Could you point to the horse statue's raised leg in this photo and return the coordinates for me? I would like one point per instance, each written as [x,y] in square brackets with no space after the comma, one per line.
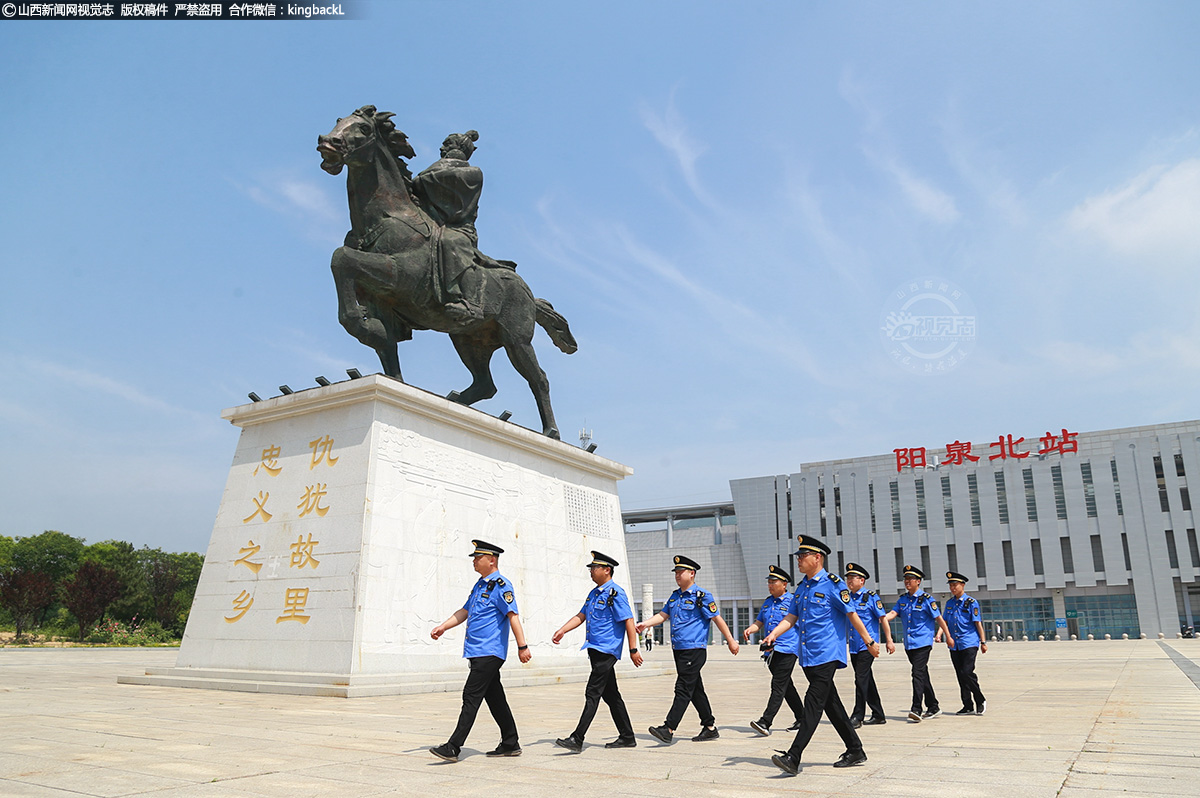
[349,267]
[477,357]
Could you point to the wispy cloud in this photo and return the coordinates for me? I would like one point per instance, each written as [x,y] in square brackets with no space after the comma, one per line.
[304,201]
[922,195]
[670,130]
[1154,215]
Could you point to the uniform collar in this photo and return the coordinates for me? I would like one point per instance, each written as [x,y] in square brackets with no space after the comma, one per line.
[821,574]
[606,584]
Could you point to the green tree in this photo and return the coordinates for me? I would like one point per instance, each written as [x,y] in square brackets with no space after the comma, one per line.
[52,553]
[89,593]
[122,558]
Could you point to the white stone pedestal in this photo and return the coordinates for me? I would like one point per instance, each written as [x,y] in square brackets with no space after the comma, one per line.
[344,536]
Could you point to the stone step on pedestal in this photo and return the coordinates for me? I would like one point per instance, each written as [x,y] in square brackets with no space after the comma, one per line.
[360,685]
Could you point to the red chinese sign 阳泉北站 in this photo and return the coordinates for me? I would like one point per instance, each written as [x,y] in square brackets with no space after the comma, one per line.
[1006,447]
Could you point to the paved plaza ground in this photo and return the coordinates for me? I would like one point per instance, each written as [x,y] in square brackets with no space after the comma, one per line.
[1064,718]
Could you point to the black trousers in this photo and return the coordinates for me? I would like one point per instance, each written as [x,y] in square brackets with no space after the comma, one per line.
[922,688]
[782,687]
[822,698]
[483,684]
[968,682]
[602,683]
[865,692]
[689,688]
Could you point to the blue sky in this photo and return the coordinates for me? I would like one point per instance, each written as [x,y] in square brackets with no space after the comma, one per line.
[719,197]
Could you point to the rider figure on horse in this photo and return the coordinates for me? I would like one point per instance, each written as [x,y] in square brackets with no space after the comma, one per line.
[449,191]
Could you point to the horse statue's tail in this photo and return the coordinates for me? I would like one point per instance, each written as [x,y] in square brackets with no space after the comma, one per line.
[555,326]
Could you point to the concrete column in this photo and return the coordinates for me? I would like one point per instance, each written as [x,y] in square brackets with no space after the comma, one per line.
[647,601]
[1060,604]
[717,528]
[670,531]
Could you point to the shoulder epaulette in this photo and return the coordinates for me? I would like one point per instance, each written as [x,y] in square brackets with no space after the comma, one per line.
[871,593]
[500,581]
[834,578]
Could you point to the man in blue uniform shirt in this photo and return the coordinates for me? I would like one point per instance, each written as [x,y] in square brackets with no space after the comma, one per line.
[919,612]
[781,657]
[822,615]
[609,619]
[690,611]
[870,609]
[962,617]
[490,611]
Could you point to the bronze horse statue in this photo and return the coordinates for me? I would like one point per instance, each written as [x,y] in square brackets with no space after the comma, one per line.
[387,271]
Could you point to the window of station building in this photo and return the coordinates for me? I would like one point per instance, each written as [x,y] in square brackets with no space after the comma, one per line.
[743,617]
[841,563]
[1030,497]
[895,488]
[1035,547]
[1125,549]
[1195,550]
[1009,568]
[871,499]
[947,509]
[980,565]
[952,557]
[727,614]
[1172,554]
[925,560]
[1112,614]
[821,499]
[973,490]
[1068,558]
[1089,489]
[1001,497]
[1060,495]
[922,519]
[876,556]
[1179,472]
[900,561]
[1117,487]
[1163,501]
[837,509]
[1097,554]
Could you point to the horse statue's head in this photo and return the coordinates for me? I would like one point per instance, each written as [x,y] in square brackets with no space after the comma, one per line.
[355,138]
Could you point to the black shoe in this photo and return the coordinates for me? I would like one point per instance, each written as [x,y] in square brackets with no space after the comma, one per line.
[932,713]
[982,708]
[966,711]
[851,758]
[622,742]
[661,733]
[914,716]
[877,720]
[786,762]
[505,750]
[706,734]
[856,723]
[570,743]
[762,728]
[796,726]
[445,751]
